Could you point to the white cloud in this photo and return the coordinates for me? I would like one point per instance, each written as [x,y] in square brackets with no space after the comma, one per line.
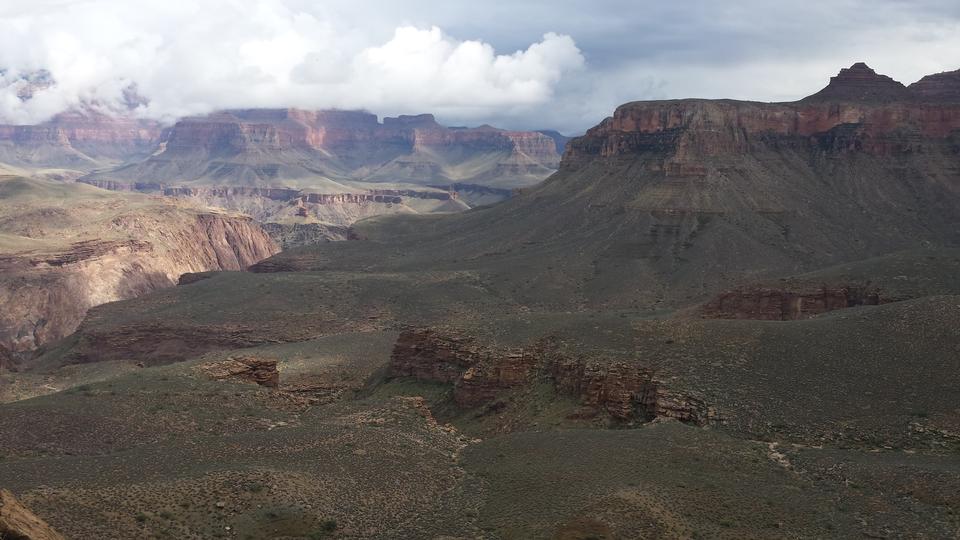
[191,57]
[495,61]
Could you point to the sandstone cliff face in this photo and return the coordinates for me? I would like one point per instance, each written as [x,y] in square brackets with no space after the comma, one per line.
[19,523]
[626,392]
[45,298]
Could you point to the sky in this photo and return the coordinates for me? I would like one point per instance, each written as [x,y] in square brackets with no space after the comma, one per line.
[516,64]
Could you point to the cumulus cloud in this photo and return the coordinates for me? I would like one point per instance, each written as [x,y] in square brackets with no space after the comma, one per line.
[187,57]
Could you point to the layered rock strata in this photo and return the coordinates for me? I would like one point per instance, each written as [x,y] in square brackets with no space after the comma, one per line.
[624,391]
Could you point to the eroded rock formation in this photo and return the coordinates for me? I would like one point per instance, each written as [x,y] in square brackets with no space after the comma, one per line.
[625,391]
[477,373]
[428,355]
[19,523]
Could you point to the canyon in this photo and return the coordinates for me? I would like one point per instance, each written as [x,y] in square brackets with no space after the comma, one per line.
[306,176]
[716,319]
[342,165]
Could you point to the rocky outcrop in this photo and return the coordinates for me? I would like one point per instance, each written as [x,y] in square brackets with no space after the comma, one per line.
[428,355]
[458,188]
[478,374]
[262,371]
[771,304]
[44,298]
[613,387]
[19,523]
[625,392]
[657,401]
[494,373]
